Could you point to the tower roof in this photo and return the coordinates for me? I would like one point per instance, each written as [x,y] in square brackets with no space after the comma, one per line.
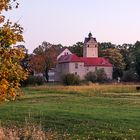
[89,38]
[90,35]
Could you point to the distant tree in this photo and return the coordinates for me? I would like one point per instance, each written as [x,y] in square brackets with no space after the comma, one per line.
[77,49]
[25,61]
[44,58]
[57,46]
[105,45]
[37,63]
[135,54]
[130,76]
[137,64]
[125,51]
[116,58]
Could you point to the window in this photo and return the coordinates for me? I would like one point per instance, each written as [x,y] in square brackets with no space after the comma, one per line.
[76,65]
[95,68]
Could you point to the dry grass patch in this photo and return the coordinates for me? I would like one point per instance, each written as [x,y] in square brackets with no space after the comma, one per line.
[29,132]
[90,90]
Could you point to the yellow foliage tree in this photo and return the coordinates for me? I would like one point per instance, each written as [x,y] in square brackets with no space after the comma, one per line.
[11,72]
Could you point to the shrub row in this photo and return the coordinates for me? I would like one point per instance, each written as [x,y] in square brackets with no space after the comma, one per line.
[72,79]
[33,80]
[96,76]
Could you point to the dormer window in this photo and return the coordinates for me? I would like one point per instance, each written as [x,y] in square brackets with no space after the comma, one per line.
[66,53]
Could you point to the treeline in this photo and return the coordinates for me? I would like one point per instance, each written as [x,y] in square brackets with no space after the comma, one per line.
[125,58]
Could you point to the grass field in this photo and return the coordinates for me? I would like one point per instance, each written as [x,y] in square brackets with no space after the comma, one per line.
[80,112]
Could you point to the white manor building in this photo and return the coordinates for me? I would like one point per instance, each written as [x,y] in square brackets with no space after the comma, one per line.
[71,63]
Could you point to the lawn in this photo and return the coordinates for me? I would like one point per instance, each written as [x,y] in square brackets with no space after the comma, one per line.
[81,112]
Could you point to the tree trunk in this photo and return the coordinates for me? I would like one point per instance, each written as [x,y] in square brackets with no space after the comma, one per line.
[46,74]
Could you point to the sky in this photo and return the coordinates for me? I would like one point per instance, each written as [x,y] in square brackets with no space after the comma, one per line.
[69,21]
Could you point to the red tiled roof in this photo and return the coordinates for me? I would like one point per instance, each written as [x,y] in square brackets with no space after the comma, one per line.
[69,58]
[88,61]
[99,61]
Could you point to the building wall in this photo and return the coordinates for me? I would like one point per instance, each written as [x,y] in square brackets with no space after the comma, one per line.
[78,68]
[61,69]
[108,71]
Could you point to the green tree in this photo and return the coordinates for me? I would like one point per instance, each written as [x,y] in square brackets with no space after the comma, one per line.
[130,76]
[125,51]
[77,49]
[135,55]
[116,58]
[103,46]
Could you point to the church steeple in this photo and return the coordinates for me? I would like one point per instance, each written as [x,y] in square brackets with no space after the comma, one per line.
[90,48]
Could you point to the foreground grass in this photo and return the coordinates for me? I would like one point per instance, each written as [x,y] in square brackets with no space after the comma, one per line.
[82,112]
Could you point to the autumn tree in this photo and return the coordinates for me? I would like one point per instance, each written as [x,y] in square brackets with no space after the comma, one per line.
[44,58]
[11,72]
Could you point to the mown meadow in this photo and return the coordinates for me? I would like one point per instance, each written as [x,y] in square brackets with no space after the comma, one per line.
[77,112]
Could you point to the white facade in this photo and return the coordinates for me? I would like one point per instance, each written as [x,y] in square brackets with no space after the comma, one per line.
[80,69]
[66,51]
[90,48]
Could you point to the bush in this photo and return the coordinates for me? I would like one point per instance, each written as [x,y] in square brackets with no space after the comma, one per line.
[71,79]
[130,76]
[91,76]
[96,76]
[101,75]
[34,80]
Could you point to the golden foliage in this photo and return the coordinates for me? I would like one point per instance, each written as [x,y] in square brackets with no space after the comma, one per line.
[8,4]
[11,72]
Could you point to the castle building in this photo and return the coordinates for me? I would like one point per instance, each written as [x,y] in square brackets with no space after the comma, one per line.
[71,63]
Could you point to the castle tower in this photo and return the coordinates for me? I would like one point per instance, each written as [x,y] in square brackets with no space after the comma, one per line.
[90,48]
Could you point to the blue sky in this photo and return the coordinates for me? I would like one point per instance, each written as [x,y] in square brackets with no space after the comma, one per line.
[69,21]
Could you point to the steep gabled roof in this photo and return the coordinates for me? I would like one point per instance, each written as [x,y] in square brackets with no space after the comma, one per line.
[69,58]
[61,50]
